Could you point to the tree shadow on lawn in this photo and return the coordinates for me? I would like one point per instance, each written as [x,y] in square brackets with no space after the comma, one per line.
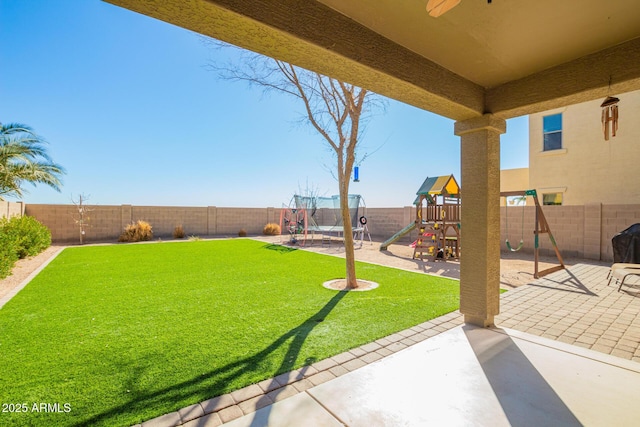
[225,374]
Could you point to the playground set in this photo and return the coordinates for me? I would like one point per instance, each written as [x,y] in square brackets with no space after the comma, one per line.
[307,216]
[437,220]
[541,227]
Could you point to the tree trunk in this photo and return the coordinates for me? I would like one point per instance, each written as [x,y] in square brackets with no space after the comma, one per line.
[334,109]
[350,258]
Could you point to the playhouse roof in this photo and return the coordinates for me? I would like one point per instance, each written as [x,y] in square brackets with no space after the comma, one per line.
[439,186]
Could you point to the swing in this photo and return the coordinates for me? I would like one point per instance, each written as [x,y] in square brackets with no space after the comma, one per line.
[506,220]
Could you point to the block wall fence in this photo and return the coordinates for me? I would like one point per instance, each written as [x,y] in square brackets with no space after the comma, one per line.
[9,209]
[580,231]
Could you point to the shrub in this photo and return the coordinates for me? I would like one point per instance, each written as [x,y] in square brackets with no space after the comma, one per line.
[178,232]
[271,229]
[8,254]
[242,233]
[137,232]
[21,237]
[29,237]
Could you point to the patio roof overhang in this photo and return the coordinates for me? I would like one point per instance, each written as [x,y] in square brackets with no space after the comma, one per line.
[505,58]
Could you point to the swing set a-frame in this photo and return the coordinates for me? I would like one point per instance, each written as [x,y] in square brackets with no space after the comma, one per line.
[541,227]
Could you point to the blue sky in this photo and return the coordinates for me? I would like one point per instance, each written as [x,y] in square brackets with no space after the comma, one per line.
[131,112]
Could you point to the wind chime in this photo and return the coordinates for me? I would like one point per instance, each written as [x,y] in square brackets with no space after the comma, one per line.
[609,115]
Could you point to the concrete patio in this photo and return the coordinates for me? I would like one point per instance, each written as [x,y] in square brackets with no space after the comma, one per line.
[565,352]
[470,376]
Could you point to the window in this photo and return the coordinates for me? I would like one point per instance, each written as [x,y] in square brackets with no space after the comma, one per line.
[552,132]
[552,199]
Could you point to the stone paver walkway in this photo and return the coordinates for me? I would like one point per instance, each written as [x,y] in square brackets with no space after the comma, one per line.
[577,307]
[574,306]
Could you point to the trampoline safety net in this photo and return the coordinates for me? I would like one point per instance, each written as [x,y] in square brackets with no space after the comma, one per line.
[324,212]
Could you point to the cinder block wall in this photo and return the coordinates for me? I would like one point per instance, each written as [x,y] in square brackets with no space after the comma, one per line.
[580,231]
[164,219]
[385,222]
[9,209]
[106,223]
[616,218]
[229,221]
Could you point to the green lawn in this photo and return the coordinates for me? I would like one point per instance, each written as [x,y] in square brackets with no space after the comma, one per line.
[125,333]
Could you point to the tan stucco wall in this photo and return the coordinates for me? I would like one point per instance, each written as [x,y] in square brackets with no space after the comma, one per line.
[514,179]
[480,214]
[589,169]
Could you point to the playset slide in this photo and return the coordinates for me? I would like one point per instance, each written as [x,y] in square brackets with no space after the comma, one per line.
[398,235]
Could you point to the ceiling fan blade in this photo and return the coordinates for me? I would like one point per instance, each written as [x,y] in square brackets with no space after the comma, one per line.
[439,7]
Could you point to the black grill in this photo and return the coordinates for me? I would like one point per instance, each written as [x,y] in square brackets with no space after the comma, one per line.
[626,245]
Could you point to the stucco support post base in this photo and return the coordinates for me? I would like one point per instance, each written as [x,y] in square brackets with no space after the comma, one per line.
[484,321]
[480,218]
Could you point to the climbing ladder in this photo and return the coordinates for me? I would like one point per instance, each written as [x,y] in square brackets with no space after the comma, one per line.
[427,243]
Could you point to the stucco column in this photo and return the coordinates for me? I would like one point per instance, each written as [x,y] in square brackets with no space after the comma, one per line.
[480,218]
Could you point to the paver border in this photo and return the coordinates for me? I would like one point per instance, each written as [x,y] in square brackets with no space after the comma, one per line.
[248,400]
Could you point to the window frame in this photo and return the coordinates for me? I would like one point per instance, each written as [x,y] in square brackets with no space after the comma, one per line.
[558,199]
[549,144]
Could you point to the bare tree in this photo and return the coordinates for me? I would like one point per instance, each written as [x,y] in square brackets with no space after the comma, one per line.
[82,218]
[312,193]
[335,109]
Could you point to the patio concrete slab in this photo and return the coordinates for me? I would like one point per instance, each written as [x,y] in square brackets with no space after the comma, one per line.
[492,377]
[471,376]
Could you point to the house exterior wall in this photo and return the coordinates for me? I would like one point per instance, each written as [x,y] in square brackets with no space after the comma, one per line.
[514,179]
[589,169]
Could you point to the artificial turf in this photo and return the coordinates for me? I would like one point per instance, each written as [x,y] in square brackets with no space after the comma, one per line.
[125,333]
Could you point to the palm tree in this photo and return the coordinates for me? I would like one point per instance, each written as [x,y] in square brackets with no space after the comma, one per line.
[24,158]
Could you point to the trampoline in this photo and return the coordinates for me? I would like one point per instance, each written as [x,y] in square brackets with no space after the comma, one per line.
[321,215]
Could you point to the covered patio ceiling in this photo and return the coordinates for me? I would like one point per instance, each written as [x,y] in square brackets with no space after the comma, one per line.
[507,58]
